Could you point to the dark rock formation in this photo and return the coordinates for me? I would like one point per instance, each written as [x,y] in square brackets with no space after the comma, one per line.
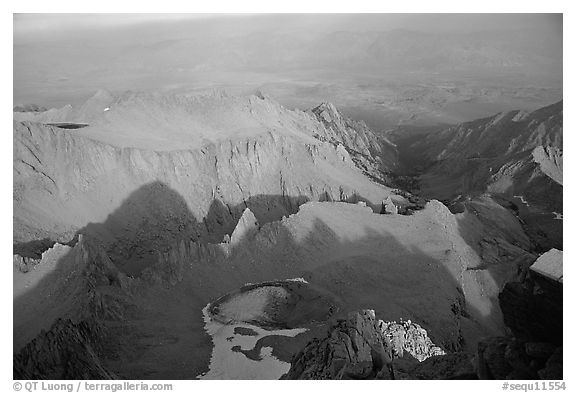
[361,347]
[553,369]
[510,358]
[67,351]
[532,308]
[388,206]
[504,358]
[345,354]
[459,365]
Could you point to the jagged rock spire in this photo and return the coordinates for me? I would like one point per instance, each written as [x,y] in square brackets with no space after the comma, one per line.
[246,224]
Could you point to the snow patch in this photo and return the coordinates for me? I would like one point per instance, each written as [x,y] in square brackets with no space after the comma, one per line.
[228,364]
[298,279]
[521,197]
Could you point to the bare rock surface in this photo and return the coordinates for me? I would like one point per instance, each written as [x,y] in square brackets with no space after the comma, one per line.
[362,347]
[66,351]
[246,225]
[410,337]
[367,148]
[549,265]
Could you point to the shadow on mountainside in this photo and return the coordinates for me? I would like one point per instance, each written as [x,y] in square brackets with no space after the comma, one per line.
[154,217]
[157,331]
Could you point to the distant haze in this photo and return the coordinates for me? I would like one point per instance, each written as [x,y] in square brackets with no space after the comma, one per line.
[30,24]
[368,62]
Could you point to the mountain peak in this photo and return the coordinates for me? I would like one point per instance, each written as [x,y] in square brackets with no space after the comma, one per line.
[246,224]
[328,112]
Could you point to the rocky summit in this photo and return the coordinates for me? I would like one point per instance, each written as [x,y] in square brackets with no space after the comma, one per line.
[362,347]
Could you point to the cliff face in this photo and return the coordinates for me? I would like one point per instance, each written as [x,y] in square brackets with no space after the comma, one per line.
[66,179]
[374,154]
[362,347]
[355,136]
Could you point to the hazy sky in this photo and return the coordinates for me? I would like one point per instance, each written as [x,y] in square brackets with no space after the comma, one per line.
[41,24]
[64,58]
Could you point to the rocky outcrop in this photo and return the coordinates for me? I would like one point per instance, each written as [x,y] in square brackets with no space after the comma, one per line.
[350,351]
[66,351]
[354,135]
[458,365]
[549,160]
[406,336]
[503,358]
[345,354]
[549,265]
[510,358]
[361,347]
[389,207]
[373,153]
[246,225]
[24,264]
[78,282]
[61,307]
[533,311]
[533,307]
